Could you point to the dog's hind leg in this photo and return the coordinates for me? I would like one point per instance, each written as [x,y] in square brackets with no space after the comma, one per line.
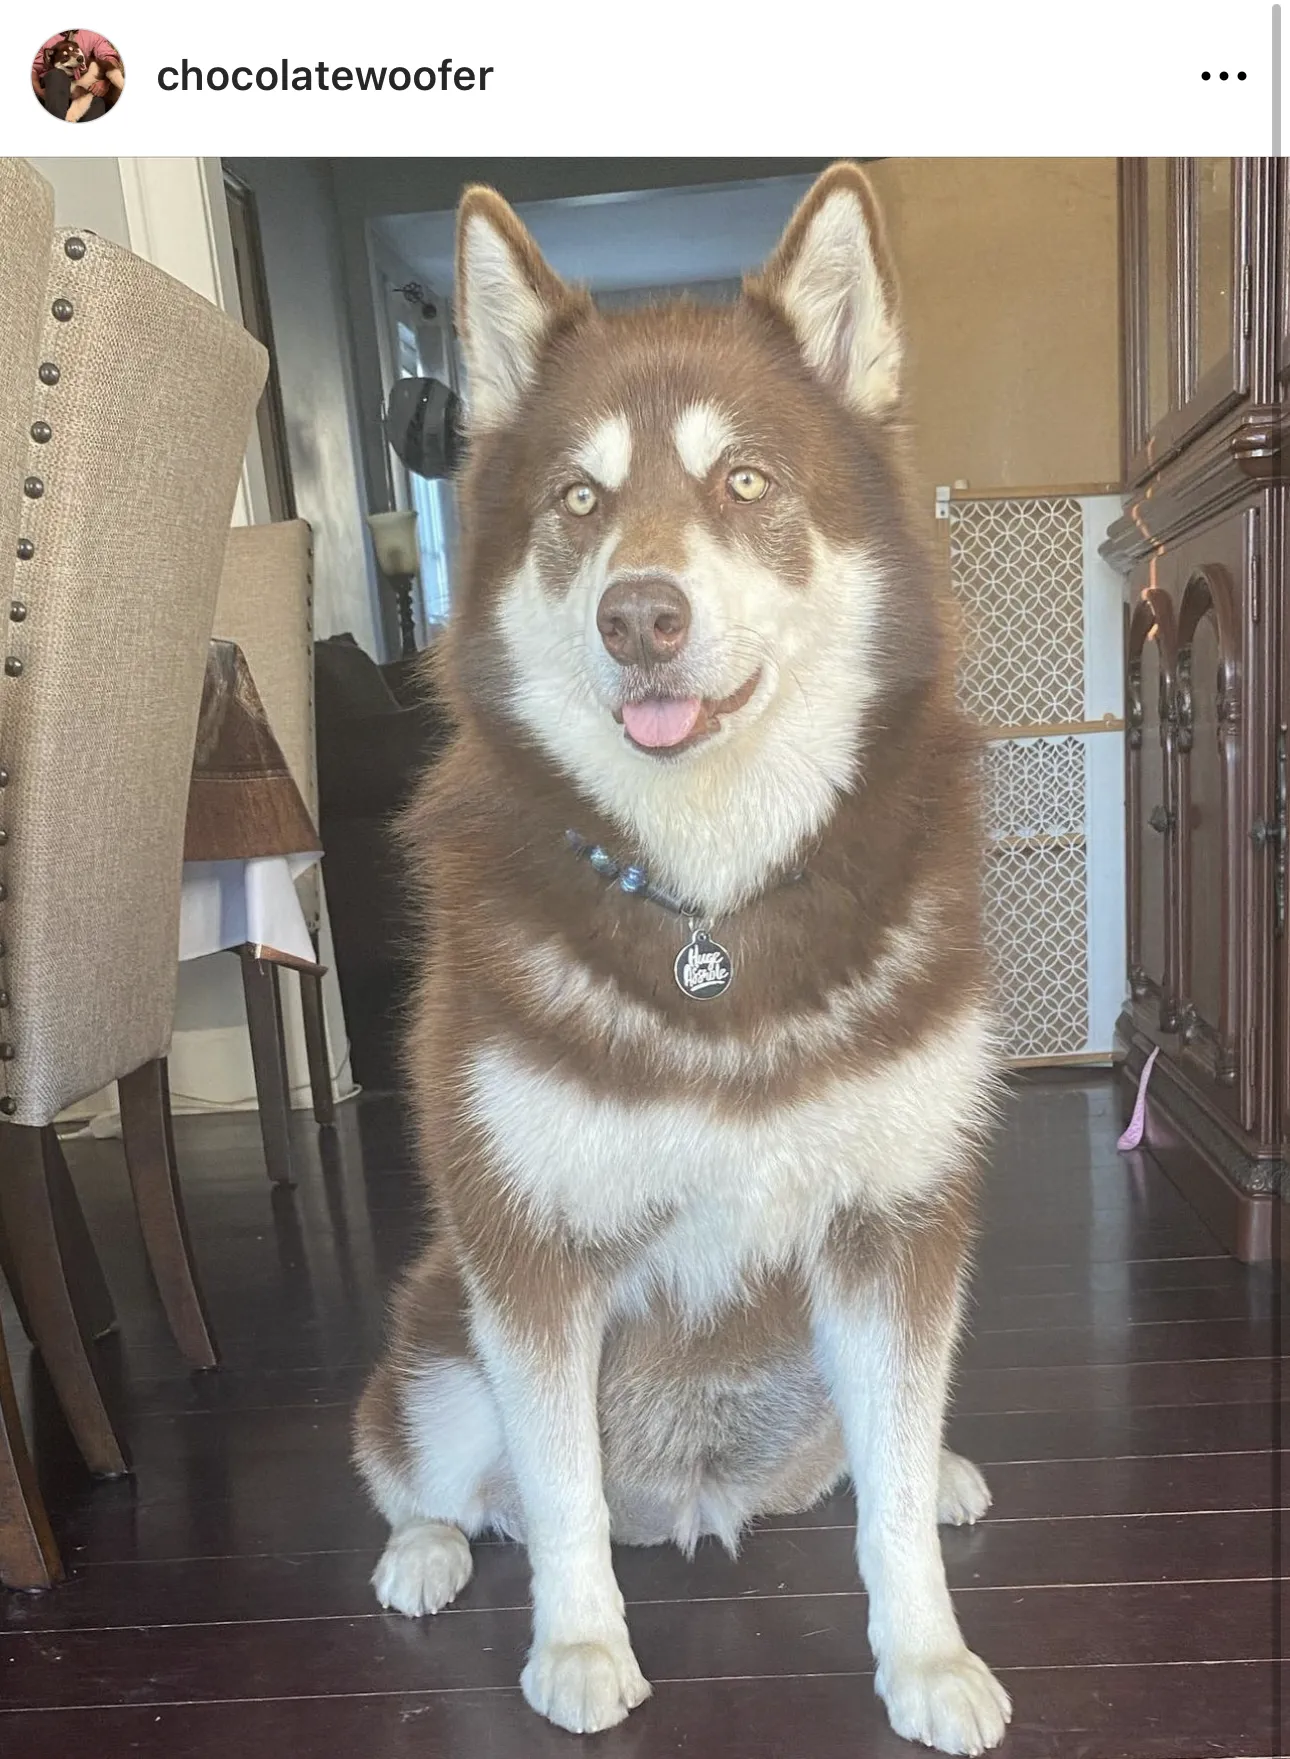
[962,1495]
[424,1567]
[429,1445]
[428,1441]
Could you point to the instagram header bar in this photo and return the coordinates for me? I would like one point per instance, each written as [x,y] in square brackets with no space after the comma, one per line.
[673,76]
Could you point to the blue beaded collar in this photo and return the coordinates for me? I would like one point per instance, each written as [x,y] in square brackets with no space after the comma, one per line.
[635,881]
[632,880]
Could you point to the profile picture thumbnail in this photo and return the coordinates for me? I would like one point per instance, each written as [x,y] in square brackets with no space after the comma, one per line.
[78,75]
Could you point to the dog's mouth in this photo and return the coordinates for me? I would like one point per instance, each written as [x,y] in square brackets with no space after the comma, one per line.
[664,724]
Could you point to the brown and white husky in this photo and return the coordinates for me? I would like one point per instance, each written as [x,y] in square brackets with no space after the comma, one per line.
[702,1060]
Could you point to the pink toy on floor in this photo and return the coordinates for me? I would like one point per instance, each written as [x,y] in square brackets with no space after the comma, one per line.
[1133,1129]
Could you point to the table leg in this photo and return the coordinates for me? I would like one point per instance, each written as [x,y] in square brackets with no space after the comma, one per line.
[315,1020]
[269,1057]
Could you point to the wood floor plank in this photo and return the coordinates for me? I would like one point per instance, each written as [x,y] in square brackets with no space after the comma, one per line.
[1098,1386]
[1243,1297]
[109,1523]
[1111,1434]
[783,1560]
[1219,1712]
[1043,1490]
[1057,1346]
[704,1639]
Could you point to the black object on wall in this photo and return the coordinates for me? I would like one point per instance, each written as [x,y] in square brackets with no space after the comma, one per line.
[424,426]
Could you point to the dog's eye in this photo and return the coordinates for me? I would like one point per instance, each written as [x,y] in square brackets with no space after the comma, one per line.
[747,484]
[580,499]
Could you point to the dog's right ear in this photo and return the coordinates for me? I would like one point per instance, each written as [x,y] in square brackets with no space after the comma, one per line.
[508,299]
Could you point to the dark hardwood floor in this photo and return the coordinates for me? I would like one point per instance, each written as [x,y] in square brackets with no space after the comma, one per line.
[1118,1386]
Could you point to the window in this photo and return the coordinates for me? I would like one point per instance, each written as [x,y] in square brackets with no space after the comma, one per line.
[432,499]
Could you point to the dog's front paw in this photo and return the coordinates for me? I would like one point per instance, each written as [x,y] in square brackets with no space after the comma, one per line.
[950,1702]
[424,1567]
[962,1495]
[584,1686]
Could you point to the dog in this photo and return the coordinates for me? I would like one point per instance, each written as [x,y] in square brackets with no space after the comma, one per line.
[702,1061]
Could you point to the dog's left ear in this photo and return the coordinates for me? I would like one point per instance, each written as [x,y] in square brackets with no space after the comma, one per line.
[831,278]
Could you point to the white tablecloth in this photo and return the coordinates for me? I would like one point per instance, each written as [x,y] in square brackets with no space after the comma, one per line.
[227,904]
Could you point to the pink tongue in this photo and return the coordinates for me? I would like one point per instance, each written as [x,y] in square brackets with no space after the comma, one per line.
[662,720]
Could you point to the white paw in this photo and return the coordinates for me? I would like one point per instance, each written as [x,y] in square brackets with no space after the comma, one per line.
[952,1703]
[962,1495]
[584,1686]
[424,1567]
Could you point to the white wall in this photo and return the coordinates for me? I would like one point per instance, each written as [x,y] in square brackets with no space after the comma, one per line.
[311,333]
[88,194]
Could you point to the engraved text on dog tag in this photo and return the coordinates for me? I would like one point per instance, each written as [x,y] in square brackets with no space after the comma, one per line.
[703,968]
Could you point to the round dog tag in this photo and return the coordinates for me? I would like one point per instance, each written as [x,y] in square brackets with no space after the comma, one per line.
[703,968]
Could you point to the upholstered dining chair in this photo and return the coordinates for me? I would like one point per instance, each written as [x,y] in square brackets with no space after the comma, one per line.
[126,401]
[265,605]
[28,1554]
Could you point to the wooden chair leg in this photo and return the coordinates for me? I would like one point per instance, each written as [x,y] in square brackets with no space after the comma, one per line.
[311,1007]
[269,1057]
[80,1261]
[28,1555]
[9,1271]
[84,1272]
[148,1136]
[35,1222]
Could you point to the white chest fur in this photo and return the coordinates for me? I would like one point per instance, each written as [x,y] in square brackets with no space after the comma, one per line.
[738,1195]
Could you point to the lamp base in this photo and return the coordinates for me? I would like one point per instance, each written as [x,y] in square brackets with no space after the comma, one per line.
[402,585]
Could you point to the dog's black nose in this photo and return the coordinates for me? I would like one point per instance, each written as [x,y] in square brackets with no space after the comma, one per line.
[644,621]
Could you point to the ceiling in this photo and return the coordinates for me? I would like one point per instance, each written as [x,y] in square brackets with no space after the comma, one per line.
[641,238]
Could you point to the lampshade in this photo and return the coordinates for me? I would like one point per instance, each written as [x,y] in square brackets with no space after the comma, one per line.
[395,538]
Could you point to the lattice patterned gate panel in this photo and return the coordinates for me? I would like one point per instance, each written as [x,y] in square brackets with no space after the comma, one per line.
[1018,573]
[1035,883]
[1027,585]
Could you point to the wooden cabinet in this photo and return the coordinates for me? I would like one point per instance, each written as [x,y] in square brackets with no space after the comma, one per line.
[1151,784]
[1203,549]
[1282,273]
[1212,583]
[1191,248]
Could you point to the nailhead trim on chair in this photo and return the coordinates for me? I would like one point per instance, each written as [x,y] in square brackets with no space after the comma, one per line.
[41,431]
